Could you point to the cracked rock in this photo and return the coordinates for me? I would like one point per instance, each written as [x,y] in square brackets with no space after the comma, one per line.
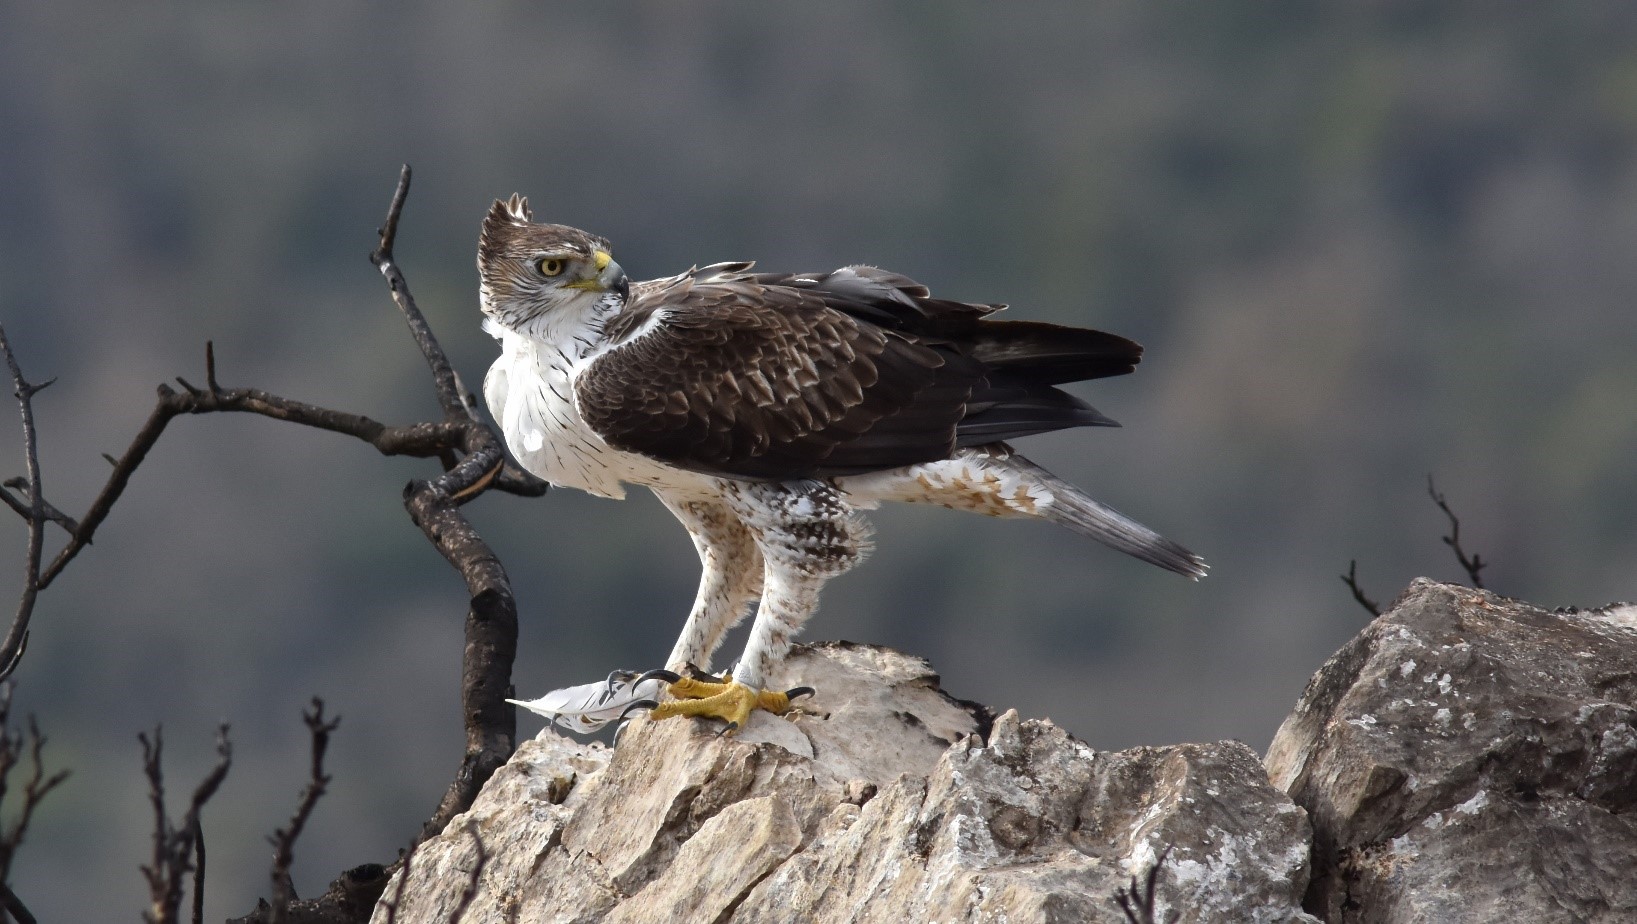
[1471,758]
[896,804]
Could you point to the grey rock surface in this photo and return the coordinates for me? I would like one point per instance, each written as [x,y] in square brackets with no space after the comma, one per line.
[897,805]
[1471,758]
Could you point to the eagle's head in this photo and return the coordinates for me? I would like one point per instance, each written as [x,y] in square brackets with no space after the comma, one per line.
[529,271]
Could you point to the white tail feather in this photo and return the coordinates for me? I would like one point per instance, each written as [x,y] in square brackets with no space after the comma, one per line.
[589,706]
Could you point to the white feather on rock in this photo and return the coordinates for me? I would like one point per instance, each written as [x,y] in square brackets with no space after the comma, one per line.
[589,706]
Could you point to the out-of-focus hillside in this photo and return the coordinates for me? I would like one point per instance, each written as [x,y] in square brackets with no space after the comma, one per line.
[1361,243]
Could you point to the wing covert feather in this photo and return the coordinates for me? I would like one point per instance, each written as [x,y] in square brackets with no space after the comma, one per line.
[752,381]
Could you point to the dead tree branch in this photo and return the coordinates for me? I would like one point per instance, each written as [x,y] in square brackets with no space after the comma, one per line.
[456,402]
[174,845]
[13,747]
[473,460]
[284,839]
[1138,905]
[199,873]
[14,906]
[1472,564]
[34,512]
[1351,580]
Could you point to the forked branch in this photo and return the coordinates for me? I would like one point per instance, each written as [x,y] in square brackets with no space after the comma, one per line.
[284,839]
[1351,580]
[33,508]
[1137,901]
[473,460]
[1471,563]
[174,845]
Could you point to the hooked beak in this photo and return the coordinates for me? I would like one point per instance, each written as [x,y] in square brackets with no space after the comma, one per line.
[609,278]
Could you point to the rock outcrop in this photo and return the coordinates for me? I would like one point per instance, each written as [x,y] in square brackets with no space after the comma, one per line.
[900,805]
[1466,758]
[1469,758]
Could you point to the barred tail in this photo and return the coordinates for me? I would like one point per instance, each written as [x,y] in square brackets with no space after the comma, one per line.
[1071,508]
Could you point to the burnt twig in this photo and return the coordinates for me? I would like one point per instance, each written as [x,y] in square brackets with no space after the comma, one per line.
[1351,580]
[284,839]
[473,460]
[68,523]
[1473,564]
[198,871]
[1138,906]
[174,845]
[14,906]
[13,747]
[11,649]
[454,400]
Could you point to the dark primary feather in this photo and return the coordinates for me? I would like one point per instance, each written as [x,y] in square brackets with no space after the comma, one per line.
[768,376]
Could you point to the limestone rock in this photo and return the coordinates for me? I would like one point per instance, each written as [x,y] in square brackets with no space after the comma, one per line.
[897,805]
[1471,758]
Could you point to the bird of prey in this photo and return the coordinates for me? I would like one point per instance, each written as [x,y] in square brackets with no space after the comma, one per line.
[766,410]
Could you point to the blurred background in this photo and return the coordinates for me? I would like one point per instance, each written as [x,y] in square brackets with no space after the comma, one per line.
[1361,242]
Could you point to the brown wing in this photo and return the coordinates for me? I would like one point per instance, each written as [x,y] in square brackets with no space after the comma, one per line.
[774,377]
[752,381]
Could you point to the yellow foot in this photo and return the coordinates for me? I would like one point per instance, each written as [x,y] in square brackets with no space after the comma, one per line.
[732,701]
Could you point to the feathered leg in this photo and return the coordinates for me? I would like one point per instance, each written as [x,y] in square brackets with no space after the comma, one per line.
[730,582]
[807,534]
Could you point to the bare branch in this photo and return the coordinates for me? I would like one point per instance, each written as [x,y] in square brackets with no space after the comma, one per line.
[1139,906]
[198,871]
[14,905]
[68,523]
[11,649]
[451,397]
[284,839]
[12,748]
[1475,563]
[473,459]
[1351,580]
[174,845]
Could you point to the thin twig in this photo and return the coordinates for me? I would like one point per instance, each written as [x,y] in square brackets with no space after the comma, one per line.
[473,460]
[421,440]
[198,871]
[443,374]
[1473,564]
[11,649]
[284,839]
[1139,906]
[174,845]
[35,789]
[14,905]
[1351,580]
[68,523]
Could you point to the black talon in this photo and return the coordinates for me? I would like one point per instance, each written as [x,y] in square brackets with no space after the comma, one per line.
[614,675]
[794,692]
[658,674]
[639,704]
[731,726]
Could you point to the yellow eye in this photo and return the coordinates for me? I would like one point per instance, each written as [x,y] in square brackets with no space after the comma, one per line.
[551,266]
